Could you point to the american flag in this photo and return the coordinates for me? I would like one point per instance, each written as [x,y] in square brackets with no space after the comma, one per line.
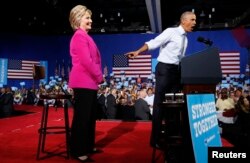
[139,66]
[21,69]
[230,63]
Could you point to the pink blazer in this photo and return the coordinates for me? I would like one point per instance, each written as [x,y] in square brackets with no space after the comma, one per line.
[86,69]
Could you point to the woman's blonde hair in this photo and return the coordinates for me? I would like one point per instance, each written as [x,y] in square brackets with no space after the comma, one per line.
[76,15]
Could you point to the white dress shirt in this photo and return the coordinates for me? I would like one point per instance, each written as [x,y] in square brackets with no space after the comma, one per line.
[171,45]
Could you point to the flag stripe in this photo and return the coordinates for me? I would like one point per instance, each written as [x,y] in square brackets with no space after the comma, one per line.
[19,74]
[21,69]
[20,77]
[139,66]
[139,60]
[231,71]
[230,58]
[229,53]
[230,63]
[133,76]
[230,67]
[137,72]
[131,68]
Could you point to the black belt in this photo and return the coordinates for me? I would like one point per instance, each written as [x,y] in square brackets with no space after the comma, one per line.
[172,65]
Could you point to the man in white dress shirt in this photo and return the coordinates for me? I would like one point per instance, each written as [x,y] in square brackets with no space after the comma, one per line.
[172,43]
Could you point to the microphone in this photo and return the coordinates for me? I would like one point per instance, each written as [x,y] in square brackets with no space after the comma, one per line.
[205,41]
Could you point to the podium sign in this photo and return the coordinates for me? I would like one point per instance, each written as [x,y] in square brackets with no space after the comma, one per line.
[203,124]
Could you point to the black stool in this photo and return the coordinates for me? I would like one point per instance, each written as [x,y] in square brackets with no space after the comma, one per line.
[44,129]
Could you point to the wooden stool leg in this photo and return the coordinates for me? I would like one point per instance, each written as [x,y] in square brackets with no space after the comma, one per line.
[44,129]
[41,131]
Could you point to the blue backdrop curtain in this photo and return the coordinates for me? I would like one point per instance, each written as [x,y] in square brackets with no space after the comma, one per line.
[55,48]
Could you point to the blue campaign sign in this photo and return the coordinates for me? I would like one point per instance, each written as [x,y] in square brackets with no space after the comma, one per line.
[203,125]
[3,71]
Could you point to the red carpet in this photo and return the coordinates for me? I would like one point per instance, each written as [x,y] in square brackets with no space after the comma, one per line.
[119,141]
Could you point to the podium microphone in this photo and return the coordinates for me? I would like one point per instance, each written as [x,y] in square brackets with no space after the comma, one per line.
[205,41]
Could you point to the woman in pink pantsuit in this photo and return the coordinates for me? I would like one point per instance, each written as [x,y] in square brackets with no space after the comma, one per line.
[85,76]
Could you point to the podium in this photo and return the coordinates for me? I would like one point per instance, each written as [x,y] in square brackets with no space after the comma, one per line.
[200,72]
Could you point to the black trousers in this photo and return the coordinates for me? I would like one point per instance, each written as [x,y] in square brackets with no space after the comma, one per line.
[82,139]
[167,81]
